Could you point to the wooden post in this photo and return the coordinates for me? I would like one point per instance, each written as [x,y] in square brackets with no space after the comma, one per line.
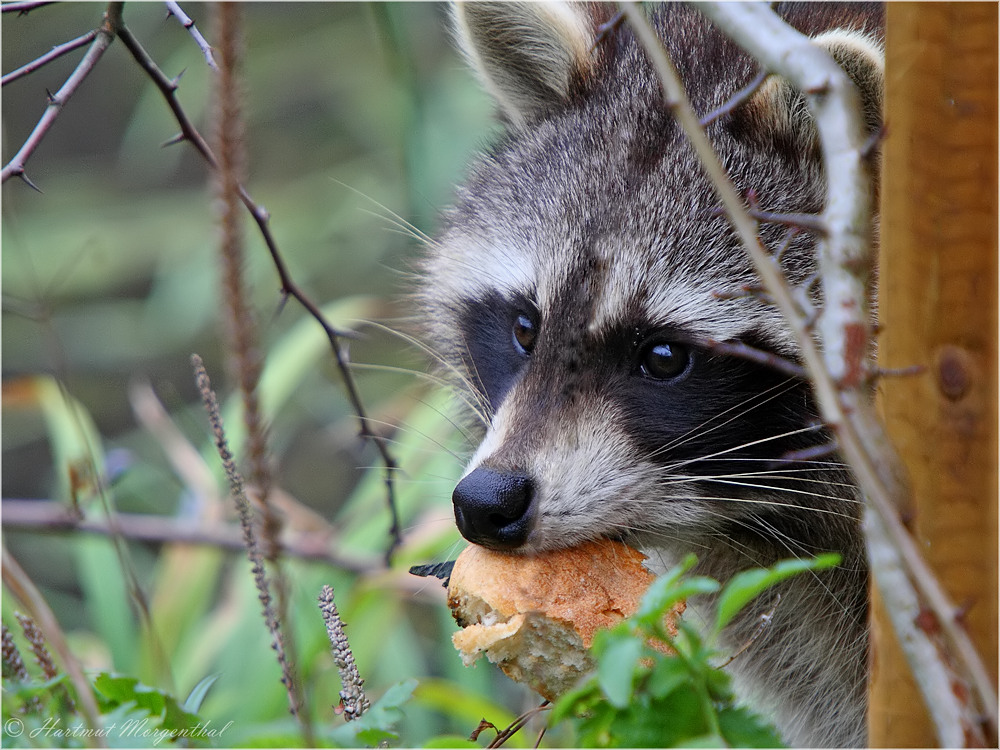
[938,308]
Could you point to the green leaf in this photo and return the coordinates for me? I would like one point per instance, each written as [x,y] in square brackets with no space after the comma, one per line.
[668,674]
[746,586]
[575,700]
[616,670]
[743,728]
[459,703]
[665,592]
[194,700]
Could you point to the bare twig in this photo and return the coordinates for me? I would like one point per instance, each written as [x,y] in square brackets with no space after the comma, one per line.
[20,584]
[211,404]
[104,36]
[53,54]
[51,516]
[23,8]
[174,10]
[353,701]
[515,726]
[763,623]
[735,100]
[807,222]
[768,359]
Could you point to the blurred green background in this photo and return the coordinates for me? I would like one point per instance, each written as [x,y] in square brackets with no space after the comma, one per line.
[355,114]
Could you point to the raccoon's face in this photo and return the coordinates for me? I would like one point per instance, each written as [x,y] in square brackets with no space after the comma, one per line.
[581,279]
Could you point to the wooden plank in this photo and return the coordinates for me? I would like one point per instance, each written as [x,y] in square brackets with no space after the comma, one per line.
[938,308]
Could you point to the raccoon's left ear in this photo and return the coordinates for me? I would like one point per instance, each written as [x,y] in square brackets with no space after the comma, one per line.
[777,110]
[526,54]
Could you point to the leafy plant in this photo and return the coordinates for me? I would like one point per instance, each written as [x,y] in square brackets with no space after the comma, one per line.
[640,696]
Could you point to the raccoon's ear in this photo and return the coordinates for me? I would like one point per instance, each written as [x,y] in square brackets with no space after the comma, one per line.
[526,54]
[778,109]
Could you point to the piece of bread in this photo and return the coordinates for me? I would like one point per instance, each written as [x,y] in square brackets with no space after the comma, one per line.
[535,617]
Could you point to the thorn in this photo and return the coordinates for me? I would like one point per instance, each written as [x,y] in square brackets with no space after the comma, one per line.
[285,296]
[874,141]
[962,610]
[29,183]
[174,140]
[50,97]
[175,82]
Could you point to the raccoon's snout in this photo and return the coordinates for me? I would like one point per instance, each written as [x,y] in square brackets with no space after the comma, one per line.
[494,509]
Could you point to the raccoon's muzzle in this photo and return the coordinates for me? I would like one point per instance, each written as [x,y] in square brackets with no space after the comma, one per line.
[494,509]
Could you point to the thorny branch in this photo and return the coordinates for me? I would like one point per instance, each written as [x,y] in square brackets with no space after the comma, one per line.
[25,7]
[839,372]
[53,54]
[175,10]
[104,36]
[114,26]
[288,287]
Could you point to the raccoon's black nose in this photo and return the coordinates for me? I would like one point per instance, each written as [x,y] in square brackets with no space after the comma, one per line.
[494,509]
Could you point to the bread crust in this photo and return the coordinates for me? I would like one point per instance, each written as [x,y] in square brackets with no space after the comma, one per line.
[535,617]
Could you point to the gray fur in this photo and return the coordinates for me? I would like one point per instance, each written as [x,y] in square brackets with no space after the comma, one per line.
[594,213]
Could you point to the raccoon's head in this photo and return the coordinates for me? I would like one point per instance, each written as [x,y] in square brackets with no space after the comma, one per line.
[584,267]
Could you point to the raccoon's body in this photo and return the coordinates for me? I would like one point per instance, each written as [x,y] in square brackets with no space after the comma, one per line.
[572,292]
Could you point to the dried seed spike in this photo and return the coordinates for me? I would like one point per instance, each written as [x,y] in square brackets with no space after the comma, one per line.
[353,701]
[34,636]
[13,664]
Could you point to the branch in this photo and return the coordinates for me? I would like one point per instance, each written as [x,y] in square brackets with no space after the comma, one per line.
[104,36]
[173,9]
[288,287]
[735,100]
[54,517]
[25,7]
[53,54]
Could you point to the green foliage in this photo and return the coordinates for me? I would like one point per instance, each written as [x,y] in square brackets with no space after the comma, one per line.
[641,697]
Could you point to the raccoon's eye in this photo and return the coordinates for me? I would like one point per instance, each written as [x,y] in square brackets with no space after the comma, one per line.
[663,361]
[525,333]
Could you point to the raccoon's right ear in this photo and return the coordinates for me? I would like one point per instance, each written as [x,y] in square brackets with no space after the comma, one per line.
[526,54]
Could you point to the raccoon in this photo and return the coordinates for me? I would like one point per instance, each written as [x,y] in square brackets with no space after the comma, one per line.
[573,289]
